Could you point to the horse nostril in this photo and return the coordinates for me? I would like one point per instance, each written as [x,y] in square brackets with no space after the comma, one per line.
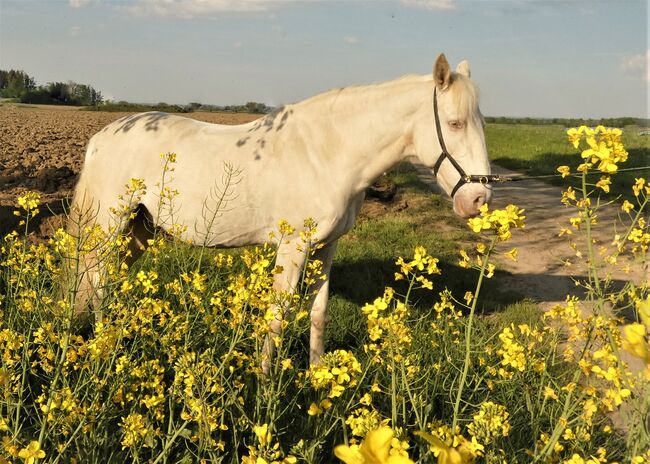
[479,201]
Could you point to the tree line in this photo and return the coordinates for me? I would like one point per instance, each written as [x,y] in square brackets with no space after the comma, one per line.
[19,85]
[571,122]
[250,107]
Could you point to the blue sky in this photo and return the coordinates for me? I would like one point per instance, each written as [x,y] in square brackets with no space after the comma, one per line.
[564,58]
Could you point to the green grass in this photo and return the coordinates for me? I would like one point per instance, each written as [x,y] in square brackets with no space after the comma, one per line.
[540,149]
[365,260]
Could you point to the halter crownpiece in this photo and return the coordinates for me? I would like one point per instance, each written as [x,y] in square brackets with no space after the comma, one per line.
[483,179]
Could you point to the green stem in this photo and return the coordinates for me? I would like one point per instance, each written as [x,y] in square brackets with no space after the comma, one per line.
[169,443]
[593,272]
[468,334]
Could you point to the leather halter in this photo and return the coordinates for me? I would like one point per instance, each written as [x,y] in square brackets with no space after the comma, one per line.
[464,177]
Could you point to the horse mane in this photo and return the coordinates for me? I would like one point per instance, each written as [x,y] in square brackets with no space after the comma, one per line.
[463,91]
[355,89]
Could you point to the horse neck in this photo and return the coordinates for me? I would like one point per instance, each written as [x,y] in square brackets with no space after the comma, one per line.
[366,130]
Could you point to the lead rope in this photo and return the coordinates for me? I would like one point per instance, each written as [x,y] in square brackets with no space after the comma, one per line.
[520,177]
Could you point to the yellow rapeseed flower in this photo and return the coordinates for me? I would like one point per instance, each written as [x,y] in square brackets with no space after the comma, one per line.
[575,135]
[262,433]
[604,183]
[549,393]
[639,184]
[374,449]
[627,206]
[31,453]
[499,220]
[29,201]
[643,310]
[564,170]
[634,341]
[490,422]
[460,451]
[512,254]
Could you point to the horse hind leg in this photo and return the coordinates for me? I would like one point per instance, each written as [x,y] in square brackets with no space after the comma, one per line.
[320,293]
[81,274]
[141,230]
[87,287]
[291,258]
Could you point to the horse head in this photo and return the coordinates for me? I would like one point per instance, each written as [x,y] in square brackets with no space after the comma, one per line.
[449,138]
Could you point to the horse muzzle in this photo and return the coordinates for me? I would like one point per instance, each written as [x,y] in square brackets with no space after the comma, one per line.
[470,197]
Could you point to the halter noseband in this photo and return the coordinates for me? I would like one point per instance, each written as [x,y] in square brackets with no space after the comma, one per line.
[464,178]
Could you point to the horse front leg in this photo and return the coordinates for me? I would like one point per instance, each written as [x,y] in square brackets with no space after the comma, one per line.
[320,290]
[291,258]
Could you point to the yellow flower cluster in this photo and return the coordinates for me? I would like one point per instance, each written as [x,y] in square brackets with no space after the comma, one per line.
[577,459]
[337,371]
[499,220]
[422,263]
[482,254]
[376,448]
[196,383]
[489,423]
[364,419]
[640,238]
[641,185]
[605,149]
[29,201]
[446,320]
[636,339]
[517,350]
[31,453]
[390,336]
[605,385]
[264,451]
[450,446]
[135,431]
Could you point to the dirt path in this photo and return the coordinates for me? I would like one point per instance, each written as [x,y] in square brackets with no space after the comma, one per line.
[540,272]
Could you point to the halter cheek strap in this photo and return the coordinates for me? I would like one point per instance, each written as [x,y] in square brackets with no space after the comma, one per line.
[464,178]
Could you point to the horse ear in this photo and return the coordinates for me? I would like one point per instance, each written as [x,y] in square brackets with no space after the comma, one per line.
[463,69]
[441,72]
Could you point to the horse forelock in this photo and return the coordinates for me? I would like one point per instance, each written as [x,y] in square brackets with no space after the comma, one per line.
[464,93]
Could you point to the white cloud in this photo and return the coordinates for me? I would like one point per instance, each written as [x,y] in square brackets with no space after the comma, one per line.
[637,65]
[196,8]
[431,4]
[350,39]
[78,3]
[74,31]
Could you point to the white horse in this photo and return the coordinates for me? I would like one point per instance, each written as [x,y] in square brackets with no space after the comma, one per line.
[313,159]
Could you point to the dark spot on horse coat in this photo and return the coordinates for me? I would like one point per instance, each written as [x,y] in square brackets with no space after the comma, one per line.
[151,121]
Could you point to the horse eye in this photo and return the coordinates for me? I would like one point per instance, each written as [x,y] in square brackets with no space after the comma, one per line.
[456,124]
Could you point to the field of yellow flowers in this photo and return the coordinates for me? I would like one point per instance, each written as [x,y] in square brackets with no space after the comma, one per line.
[171,372]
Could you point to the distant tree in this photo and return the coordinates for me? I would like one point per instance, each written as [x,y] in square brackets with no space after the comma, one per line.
[59,92]
[255,107]
[14,83]
[85,95]
[63,93]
